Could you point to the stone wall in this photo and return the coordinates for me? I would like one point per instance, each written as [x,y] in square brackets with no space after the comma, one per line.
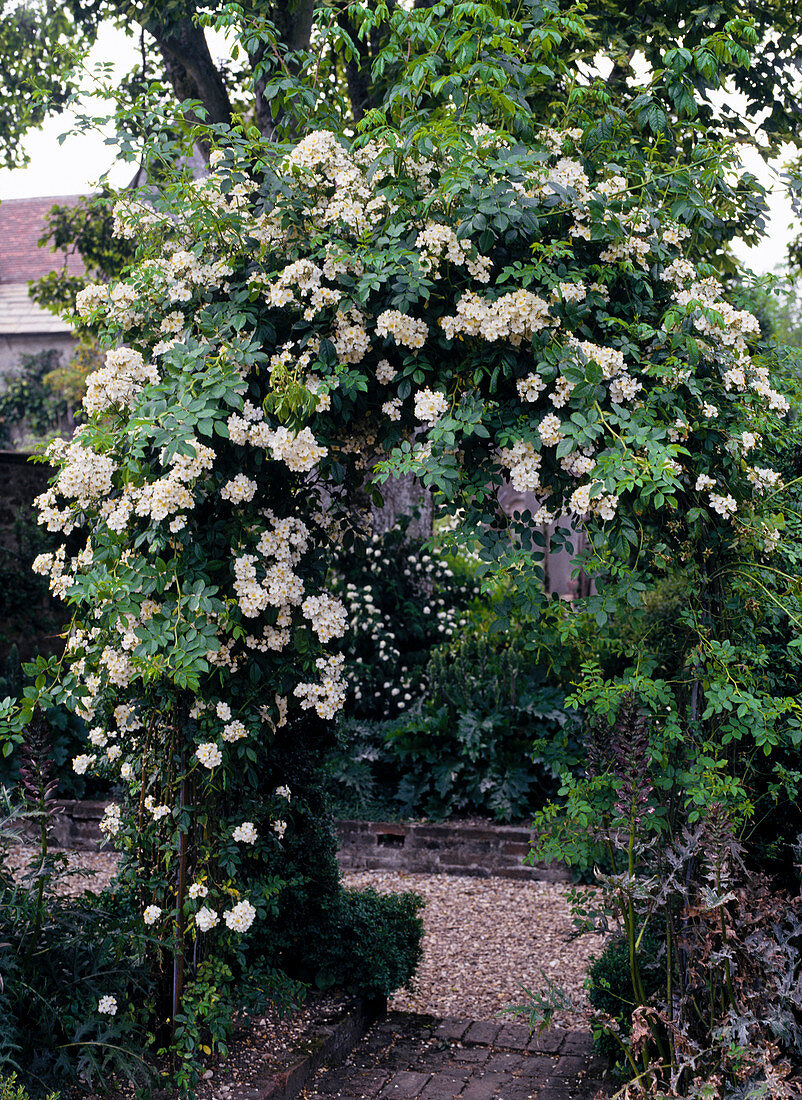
[14,346]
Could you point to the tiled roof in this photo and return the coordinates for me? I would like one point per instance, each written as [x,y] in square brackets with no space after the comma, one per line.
[22,223]
[20,315]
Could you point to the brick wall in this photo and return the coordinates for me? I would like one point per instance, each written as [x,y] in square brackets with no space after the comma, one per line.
[450,848]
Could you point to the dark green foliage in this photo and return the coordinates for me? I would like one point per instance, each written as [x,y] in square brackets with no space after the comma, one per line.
[363,772]
[67,738]
[610,986]
[372,944]
[58,957]
[487,739]
[29,615]
[480,762]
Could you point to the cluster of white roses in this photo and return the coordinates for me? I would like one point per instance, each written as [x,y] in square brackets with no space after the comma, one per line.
[119,381]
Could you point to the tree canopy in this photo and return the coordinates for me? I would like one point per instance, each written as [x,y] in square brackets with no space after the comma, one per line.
[353,51]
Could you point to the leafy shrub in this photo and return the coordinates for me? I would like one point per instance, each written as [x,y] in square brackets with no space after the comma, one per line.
[487,738]
[610,988]
[705,986]
[373,945]
[58,962]
[73,970]
[66,738]
[364,771]
[58,958]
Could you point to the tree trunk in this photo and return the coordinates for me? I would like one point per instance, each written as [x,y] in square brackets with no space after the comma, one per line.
[189,67]
[404,496]
[294,20]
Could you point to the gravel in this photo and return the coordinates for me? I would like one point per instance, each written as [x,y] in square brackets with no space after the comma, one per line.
[485,939]
[91,871]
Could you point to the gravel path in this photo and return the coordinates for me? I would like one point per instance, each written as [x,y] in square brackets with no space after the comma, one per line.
[484,938]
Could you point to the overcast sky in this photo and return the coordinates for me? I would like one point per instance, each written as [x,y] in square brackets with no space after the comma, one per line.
[76,166]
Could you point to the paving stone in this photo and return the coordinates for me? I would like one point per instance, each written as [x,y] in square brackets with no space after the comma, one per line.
[453,1028]
[370,1083]
[538,1069]
[443,1086]
[484,1086]
[406,1058]
[569,1065]
[513,1036]
[482,1032]
[403,1055]
[577,1042]
[547,1042]
[479,1056]
[405,1084]
[438,1060]
[504,1061]
[518,1088]
[337,1080]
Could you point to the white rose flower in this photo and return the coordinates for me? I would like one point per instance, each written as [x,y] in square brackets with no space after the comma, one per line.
[430,405]
[234,731]
[206,918]
[246,833]
[81,763]
[241,917]
[151,914]
[209,755]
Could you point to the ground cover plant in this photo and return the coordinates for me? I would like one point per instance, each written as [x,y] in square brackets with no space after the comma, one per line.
[499,273]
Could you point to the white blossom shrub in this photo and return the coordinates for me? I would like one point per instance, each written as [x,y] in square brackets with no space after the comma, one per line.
[297,324]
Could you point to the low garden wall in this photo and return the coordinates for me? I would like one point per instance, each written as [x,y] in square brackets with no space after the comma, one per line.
[451,848]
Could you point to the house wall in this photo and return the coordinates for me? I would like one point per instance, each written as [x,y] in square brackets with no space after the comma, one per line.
[14,346]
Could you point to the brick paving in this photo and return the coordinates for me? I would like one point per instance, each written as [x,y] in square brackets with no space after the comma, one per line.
[409,1057]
